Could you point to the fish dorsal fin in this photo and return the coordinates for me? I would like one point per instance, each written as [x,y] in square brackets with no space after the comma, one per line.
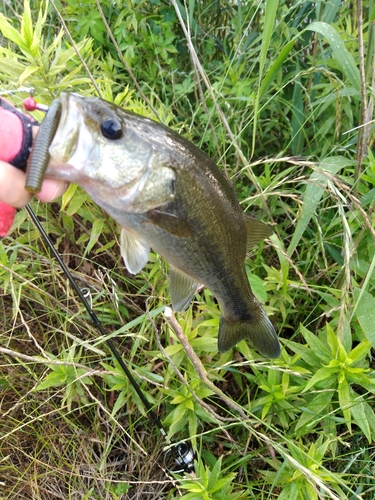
[133,251]
[181,289]
[256,232]
[170,223]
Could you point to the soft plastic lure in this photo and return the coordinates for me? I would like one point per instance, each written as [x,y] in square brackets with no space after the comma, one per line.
[39,156]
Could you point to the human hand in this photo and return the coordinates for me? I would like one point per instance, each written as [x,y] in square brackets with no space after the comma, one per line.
[17,132]
[12,182]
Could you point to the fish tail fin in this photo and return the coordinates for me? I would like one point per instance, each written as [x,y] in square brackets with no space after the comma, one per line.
[258,329]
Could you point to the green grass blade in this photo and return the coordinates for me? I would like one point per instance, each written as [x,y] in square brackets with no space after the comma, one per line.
[339,52]
[275,68]
[330,11]
[365,312]
[96,231]
[363,415]
[313,194]
[370,46]
[298,115]
[270,14]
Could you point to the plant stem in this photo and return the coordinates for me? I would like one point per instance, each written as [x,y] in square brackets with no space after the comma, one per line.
[361,143]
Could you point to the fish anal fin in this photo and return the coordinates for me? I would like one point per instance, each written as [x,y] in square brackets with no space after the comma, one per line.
[133,251]
[256,232]
[258,330]
[182,289]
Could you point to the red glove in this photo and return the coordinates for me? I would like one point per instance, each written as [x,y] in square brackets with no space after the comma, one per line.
[15,146]
[7,214]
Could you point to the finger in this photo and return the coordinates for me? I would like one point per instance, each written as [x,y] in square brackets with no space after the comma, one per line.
[12,186]
[52,189]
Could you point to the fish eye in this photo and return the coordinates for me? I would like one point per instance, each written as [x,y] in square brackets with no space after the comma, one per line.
[111,129]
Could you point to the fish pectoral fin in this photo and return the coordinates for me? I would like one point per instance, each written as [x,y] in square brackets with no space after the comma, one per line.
[181,289]
[170,223]
[256,232]
[133,251]
[258,330]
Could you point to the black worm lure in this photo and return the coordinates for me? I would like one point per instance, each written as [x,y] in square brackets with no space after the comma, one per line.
[39,156]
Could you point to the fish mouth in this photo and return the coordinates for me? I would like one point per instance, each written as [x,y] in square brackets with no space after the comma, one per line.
[72,144]
[65,141]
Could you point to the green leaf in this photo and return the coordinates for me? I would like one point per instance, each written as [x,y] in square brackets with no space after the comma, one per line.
[308,491]
[366,381]
[76,202]
[269,21]
[216,471]
[120,401]
[189,404]
[268,27]
[298,115]
[313,412]
[332,340]
[29,70]
[96,231]
[53,379]
[360,351]
[173,349]
[307,354]
[38,28]
[313,194]
[284,263]
[257,286]
[275,68]
[27,24]
[63,56]
[135,322]
[365,313]
[178,417]
[120,489]
[68,195]
[363,416]
[330,10]
[11,33]
[289,492]
[345,401]
[319,349]
[339,52]
[322,374]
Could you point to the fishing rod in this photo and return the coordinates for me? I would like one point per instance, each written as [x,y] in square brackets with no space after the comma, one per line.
[182,452]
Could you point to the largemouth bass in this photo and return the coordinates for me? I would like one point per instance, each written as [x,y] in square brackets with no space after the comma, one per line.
[170,196]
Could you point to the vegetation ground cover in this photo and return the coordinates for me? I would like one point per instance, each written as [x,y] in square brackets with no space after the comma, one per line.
[280,94]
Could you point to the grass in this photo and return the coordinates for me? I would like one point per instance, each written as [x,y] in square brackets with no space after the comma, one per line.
[271,102]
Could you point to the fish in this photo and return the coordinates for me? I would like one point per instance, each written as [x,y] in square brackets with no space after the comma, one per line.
[169,196]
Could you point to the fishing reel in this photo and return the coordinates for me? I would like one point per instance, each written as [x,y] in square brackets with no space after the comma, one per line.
[183,455]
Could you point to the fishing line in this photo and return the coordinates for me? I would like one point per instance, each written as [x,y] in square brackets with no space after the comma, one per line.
[182,453]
